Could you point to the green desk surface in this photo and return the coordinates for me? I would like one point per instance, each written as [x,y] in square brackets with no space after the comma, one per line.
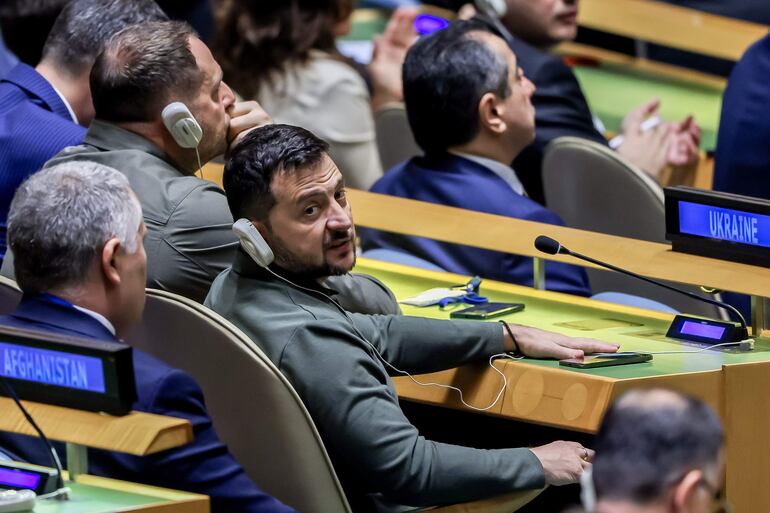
[94,499]
[634,329]
[613,90]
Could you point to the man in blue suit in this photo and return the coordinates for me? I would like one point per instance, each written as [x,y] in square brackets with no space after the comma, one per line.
[45,109]
[77,232]
[469,107]
[742,162]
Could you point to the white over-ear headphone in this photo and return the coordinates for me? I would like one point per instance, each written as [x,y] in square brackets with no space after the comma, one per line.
[496,7]
[253,242]
[182,125]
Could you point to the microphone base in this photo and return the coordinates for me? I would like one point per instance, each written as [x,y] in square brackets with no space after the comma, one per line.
[707,331]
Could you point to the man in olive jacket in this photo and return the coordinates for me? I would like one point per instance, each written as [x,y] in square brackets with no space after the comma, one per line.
[282,180]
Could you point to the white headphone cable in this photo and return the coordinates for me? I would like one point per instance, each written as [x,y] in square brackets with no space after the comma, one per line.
[403,372]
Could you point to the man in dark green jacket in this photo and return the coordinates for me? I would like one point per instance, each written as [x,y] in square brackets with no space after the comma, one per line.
[282,180]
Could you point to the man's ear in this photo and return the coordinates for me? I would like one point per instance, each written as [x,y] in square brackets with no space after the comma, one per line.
[490,114]
[109,265]
[685,491]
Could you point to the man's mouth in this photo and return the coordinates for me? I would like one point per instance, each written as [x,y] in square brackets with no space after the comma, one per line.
[338,244]
[568,16]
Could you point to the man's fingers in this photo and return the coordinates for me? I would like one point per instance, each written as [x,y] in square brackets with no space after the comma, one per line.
[560,352]
[241,108]
[594,346]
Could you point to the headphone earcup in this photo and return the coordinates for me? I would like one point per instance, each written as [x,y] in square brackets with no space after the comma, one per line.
[253,242]
[182,125]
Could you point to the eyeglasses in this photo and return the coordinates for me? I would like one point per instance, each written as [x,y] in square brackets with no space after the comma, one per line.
[720,503]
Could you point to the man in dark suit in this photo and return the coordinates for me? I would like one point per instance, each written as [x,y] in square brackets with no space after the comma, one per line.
[77,233]
[561,108]
[470,128]
[742,162]
[44,109]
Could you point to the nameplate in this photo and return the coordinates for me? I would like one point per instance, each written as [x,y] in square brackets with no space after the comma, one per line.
[80,373]
[719,225]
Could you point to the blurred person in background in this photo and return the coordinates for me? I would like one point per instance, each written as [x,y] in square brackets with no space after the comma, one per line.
[282,52]
[657,451]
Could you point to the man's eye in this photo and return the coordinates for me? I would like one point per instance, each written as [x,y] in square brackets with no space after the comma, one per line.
[311,210]
[340,195]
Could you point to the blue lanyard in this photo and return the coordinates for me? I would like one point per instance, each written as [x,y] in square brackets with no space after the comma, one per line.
[471,296]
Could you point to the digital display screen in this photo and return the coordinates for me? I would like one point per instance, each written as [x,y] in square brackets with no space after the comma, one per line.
[52,367]
[698,329]
[18,479]
[427,24]
[724,224]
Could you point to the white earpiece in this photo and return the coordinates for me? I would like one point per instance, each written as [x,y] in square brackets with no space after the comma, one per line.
[182,125]
[497,7]
[253,242]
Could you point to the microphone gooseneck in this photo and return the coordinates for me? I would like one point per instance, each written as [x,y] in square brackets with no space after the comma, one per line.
[553,247]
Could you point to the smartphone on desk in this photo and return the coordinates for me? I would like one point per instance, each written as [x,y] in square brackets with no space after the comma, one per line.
[593,361]
[487,311]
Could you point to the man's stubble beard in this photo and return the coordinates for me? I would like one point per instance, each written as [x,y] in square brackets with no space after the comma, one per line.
[300,267]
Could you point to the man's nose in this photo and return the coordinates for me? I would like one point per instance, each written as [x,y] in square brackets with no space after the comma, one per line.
[339,218]
[228,97]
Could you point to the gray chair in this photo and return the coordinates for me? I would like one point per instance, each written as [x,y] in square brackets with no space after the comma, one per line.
[255,410]
[395,141]
[10,295]
[592,188]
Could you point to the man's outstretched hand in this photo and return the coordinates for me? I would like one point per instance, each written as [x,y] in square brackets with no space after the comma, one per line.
[538,343]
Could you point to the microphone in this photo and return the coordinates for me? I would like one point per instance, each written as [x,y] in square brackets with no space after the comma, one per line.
[553,247]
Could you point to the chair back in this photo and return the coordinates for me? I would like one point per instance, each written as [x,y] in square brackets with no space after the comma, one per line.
[254,408]
[10,295]
[395,141]
[592,188]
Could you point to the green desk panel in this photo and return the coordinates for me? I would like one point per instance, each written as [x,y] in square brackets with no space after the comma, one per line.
[633,333]
[612,91]
[93,499]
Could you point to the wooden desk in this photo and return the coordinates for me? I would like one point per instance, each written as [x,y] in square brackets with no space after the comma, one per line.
[670,25]
[542,392]
[137,433]
[515,236]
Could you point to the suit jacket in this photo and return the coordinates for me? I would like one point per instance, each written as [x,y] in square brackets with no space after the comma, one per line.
[203,466]
[560,110]
[459,182]
[742,162]
[34,126]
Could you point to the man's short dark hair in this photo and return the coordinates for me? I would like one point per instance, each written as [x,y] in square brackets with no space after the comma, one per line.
[84,26]
[445,76]
[262,154]
[645,446]
[141,69]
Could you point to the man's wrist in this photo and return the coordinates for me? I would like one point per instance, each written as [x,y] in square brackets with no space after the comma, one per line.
[510,344]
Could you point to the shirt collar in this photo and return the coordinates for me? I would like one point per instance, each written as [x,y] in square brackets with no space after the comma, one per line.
[505,172]
[99,317]
[66,104]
